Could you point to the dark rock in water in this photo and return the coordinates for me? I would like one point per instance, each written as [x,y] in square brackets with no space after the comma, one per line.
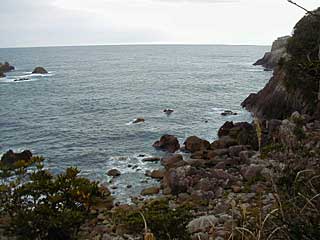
[114,173]
[167,143]
[21,79]
[228,113]
[11,157]
[168,111]
[225,129]
[139,120]
[2,75]
[6,67]
[150,191]
[40,70]
[194,144]
[151,159]
[279,50]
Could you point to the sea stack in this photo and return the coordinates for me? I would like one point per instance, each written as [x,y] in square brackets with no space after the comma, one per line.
[40,70]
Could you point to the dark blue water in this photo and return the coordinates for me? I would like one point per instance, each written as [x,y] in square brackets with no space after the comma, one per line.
[79,114]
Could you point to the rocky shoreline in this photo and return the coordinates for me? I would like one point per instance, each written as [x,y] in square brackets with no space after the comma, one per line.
[221,178]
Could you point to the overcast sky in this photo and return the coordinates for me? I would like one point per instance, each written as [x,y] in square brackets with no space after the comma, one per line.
[85,22]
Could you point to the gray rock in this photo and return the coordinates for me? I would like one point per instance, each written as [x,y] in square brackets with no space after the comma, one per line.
[202,224]
[114,173]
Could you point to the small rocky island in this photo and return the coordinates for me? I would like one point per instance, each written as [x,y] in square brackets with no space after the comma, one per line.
[39,70]
[6,67]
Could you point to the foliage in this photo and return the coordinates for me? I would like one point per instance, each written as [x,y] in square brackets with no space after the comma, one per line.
[269,149]
[43,206]
[295,214]
[163,222]
[300,193]
[303,67]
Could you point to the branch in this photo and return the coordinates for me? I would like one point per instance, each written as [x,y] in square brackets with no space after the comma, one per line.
[303,8]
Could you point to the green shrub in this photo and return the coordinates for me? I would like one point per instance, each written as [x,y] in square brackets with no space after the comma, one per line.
[163,222]
[44,206]
[303,67]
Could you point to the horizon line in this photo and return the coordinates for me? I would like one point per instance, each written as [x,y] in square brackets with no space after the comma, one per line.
[135,44]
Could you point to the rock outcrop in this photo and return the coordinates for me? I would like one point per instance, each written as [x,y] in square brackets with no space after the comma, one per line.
[6,67]
[279,50]
[295,82]
[274,101]
[39,70]
[167,143]
[10,157]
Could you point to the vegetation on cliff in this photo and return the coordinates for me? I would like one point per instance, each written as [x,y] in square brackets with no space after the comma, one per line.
[303,67]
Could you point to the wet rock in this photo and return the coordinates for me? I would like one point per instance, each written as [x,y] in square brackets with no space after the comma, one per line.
[151,159]
[114,173]
[157,174]
[168,111]
[2,75]
[202,224]
[228,113]
[194,144]
[139,120]
[167,143]
[39,70]
[11,157]
[150,191]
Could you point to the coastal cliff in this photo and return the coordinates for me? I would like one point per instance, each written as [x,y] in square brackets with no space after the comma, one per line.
[279,50]
[295,82]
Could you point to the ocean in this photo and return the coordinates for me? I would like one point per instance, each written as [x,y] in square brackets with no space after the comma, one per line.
[81,113]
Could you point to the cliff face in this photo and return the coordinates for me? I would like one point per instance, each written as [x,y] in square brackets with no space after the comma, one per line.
[279,50]
[274,101]
[296,78]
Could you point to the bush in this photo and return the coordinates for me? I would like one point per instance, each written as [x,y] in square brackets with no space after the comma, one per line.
[303,67]
[44,206]
[162,221]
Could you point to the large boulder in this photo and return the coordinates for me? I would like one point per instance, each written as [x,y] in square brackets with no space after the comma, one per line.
[6,67]
[242,133]
[40,70]
[225,129]
[10,157]
[173,161]
[114,173]
[194,144]
[178,180]
[167,143]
